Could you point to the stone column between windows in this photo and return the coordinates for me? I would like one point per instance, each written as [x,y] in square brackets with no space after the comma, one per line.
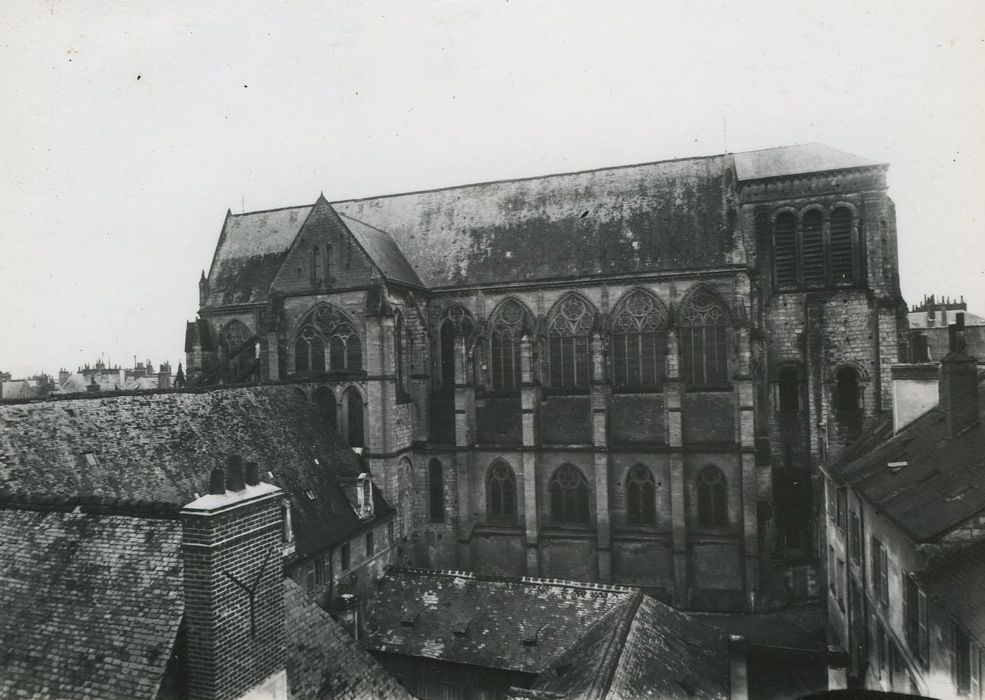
[271,349]
[464,441]
[377,416]
[600,402]
[529,401]
[749,498]
[673,399]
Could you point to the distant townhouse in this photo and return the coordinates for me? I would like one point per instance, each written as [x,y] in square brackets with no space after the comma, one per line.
[906,536]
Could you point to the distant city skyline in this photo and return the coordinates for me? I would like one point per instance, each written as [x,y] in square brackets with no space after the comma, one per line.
[131,130]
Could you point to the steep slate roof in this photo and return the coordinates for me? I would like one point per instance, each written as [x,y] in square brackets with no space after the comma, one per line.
[644,650]
[324,661]
[672,214]
[943,483]
[584,640]
[795,160]
[251,248]
[417,613]
[161,447]
[663,215]
[955,581]
[91,604]
[383,250]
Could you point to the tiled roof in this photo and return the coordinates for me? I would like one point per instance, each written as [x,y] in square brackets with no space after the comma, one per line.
[795,160]
[955,581]
[324,661]
[942,484]
[383,250]
[161,447]
[654,216]
[670,654]
[251,249]
[643,650]
[91,604]
[519,624]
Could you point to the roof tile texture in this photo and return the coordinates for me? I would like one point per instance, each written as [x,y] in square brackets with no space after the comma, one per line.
[91,604]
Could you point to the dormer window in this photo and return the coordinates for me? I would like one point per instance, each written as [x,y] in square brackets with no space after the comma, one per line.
[365,495]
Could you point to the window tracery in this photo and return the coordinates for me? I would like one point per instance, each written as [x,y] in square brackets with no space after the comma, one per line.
[641,497]
[326,326]
[569,343]
[504,346]
[704,341]
[569,496]
[712,498]
[501,494]
[639,342]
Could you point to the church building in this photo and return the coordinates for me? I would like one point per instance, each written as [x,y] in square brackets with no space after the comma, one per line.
[624,375]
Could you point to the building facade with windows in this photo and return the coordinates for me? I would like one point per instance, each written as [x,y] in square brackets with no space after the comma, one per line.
[623,375]
[906,538]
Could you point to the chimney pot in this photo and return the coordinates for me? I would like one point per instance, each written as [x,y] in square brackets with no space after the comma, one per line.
[252,473]
[235,480]
[217,481]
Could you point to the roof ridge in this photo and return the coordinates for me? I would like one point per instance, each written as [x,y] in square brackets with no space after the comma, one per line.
[527,178]
[267,211]
[612,656]
[89,504]
[452,573]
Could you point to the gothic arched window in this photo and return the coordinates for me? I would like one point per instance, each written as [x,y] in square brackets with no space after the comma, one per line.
[237,353]
[704,341]
[569,496]
[436,491]
[789,390]
[812,247]
[785,249]
[327,408]
[309,351]
[447,359]
[641,497]
[501,494]
[569,343]
[504,346]
[354,418]
[400,350]
[639,342]
[326,326]
[712,498]
[846,389]
[841,246]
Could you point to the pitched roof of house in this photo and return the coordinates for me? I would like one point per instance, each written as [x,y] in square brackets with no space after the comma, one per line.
[324,661]
[161,447]
[91,604]
[644,650]
[955,582]
[942,483]
[583,640]
[517,624]
[795,160]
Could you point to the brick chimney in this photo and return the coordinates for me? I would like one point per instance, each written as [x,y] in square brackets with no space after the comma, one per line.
[164,376]
[234,587]
[959,382]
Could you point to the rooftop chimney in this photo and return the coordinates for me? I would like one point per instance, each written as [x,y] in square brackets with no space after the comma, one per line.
[959,382]
[234,587]
[915,391]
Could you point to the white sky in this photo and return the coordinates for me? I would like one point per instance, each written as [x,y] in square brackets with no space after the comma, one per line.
[114,188]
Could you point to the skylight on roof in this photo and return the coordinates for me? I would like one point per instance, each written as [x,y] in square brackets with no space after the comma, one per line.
[897,467]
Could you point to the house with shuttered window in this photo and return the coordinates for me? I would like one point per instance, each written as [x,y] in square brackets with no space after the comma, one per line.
[906,536]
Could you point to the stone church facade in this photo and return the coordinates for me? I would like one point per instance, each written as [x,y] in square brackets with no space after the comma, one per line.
[621,375]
